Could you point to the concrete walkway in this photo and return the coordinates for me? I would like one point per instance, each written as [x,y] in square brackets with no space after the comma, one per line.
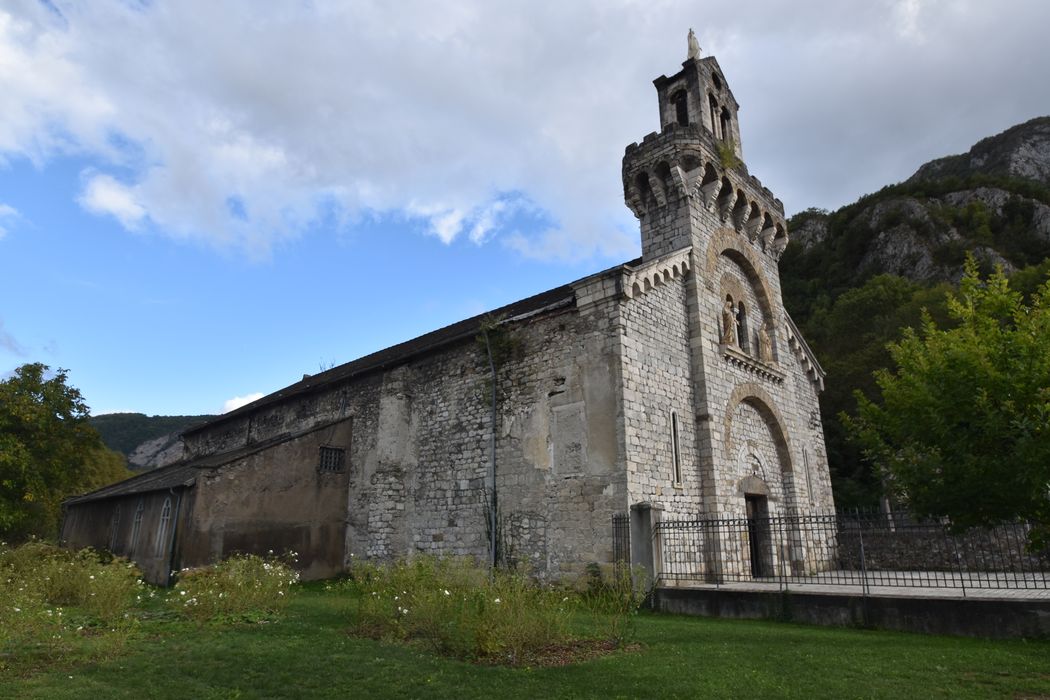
[901,584]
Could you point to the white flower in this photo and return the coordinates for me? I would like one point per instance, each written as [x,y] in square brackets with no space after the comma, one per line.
[446,592]
[18,609]
[496,601]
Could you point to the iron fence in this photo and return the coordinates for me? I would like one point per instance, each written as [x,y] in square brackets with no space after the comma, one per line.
[849,548]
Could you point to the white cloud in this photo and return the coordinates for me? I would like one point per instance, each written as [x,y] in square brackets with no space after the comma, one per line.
[238,401]
[7,215]
[238,125]
[907,14]
[9,343]
[104,195]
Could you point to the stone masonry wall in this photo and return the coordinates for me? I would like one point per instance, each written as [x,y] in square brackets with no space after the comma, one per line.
[416,478]
[658,380]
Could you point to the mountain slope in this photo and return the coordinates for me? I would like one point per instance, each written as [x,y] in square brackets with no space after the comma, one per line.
[1022,151]
[854,278]
[147,441]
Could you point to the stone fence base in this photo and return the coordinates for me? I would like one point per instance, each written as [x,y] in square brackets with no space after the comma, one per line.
[996,618]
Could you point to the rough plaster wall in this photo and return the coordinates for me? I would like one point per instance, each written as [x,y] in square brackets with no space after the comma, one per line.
[657,380]
[274,499]
[297,414]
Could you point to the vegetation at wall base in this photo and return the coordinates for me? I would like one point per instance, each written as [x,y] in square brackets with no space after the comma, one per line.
[463,610]
[60,607]
[243,588]
[308,654]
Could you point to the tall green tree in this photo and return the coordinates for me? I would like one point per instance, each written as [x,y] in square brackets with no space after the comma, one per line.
[850,337]
[48,451]
[961,426]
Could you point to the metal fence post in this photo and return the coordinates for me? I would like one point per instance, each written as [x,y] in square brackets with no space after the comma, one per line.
[863,562]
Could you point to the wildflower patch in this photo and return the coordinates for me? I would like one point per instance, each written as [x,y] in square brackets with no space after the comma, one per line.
[459,609]
[243,588]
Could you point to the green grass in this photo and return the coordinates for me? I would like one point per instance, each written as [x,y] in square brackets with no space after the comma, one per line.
[308,654]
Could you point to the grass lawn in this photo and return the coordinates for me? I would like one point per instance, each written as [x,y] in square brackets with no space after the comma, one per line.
[309,655]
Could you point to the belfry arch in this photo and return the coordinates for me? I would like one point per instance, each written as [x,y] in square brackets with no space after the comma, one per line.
[726,242]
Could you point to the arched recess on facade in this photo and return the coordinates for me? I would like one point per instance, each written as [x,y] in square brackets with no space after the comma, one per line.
[759,399]
[727,242]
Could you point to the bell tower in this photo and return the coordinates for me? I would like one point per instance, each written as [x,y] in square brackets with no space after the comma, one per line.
[689,179]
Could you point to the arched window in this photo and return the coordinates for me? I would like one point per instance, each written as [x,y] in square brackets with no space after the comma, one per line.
[681,107]
[135,525]
[114,528]
[809,479]
[676,452]
[162,528]
[712,106]
[724,124]
[741,328]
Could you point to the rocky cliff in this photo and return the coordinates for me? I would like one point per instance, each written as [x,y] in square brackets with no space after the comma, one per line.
[854,278]
[147,442]
[1022,151]
[992,202]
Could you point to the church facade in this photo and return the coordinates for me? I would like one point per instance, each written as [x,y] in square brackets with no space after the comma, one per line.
[672,386]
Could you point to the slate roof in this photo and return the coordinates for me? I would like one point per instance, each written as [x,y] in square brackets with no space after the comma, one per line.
[161,479]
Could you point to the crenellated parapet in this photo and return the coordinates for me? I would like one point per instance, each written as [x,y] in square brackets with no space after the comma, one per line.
[643,278]
[686,166]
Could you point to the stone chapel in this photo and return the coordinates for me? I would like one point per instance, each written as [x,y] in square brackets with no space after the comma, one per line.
[671,386]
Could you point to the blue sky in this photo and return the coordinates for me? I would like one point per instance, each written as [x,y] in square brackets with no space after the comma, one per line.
[202,201]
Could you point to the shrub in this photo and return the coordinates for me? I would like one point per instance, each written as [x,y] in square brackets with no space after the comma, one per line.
[50,597]
[615,597]
[245,588]
[458,608]
[101,585]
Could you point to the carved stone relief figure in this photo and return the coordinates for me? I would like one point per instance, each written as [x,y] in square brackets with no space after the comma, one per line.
[765,344]
[728,323]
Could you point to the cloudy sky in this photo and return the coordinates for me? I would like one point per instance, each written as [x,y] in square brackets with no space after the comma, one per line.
[202,200]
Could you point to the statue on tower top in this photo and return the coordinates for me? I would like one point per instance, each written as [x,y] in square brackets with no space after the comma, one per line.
[694,45]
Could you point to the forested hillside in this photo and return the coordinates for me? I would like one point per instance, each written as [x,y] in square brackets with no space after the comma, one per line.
[146,441]
[854,278]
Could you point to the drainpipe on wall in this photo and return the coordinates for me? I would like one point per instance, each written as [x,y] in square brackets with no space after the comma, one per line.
[492,456]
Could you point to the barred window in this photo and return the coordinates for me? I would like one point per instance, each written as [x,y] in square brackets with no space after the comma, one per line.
[331,459]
